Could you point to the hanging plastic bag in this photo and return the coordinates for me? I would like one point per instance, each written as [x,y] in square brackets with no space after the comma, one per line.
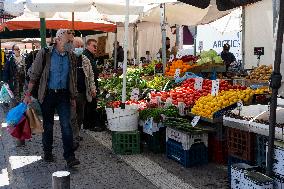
[6,94]
[14,115]
[22,131]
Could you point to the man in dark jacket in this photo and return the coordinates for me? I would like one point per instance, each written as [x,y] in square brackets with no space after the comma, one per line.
[120,53]
[91,120]
[227,56]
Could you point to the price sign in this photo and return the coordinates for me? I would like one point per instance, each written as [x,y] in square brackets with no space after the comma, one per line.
[178,55]
[172,57]
[177,73]
[119,64]
[200,46]
[108,95]
[240,106]
[195,121]
[215,87]
[134,94]
[169,102]
[181,107]
[198,83]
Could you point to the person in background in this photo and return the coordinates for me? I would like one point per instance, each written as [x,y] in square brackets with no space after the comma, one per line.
[174,50]
[56,91]
[91,120]
[86,88]
[168,46]
[120,53]
[148,57]
[227,56]
[14,73]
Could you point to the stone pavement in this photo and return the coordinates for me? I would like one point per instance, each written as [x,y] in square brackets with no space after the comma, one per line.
[100,167]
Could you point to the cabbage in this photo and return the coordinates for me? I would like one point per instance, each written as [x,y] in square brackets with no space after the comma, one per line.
[218,60]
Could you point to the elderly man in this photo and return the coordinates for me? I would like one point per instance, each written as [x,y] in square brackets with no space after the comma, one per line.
[85,86]
[57,89]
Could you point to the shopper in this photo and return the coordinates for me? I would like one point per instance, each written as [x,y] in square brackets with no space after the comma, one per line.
[120,53]
[91,119]
[85,86]
[56,91]
[14,73]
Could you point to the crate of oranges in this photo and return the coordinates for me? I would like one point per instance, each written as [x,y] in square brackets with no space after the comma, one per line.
[178,64]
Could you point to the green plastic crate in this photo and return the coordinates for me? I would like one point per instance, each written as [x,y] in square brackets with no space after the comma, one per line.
[126,143]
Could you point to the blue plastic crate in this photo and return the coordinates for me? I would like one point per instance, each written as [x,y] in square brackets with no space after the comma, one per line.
[196,155]
[260,150]
[232,160]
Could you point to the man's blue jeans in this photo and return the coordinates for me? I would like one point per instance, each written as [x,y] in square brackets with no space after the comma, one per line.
[60,102]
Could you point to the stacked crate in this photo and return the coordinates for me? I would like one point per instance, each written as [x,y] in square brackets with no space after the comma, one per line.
[217,149]
[260,150]
[126,143]
[189,149]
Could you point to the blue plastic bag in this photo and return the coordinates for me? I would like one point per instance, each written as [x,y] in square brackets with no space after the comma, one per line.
[15,114]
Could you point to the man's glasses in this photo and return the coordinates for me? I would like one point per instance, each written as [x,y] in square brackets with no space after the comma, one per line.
[16,49]
[71,32]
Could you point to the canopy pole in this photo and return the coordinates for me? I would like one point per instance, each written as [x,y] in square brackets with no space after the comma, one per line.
[115,49]
[126,23]
[275,84]
[135,44]
[163,27]
[177,35]
[42,32]
[73,28]
[243,36]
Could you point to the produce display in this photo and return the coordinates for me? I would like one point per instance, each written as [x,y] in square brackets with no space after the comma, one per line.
[149,69]
[261,73]
[206,106]
[209,57]
[181,124]
[184,64]
[187,94]
[156,113]
[157,83]
[141,104]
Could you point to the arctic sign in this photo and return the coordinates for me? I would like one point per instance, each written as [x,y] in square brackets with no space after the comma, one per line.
[213,39]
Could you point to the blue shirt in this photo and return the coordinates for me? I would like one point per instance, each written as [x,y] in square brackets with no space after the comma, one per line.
[59,70]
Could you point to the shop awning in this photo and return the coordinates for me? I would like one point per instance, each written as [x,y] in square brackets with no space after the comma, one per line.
[82,21]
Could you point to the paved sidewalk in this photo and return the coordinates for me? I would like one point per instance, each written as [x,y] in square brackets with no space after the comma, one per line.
[101,168]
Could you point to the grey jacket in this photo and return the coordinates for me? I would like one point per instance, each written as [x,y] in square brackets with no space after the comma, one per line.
[89,77]
[42,74]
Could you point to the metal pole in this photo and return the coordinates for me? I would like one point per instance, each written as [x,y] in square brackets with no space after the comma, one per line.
[163,27]
[194,37]
[243,36]
[115,49]
[42,32]
[126,23]
[73,28]
[275,84]
[135,43]
[177,35]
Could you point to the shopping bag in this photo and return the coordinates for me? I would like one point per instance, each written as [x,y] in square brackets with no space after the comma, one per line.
[35,106]
[6,94]
[34,121]
[15,114]
[22,131]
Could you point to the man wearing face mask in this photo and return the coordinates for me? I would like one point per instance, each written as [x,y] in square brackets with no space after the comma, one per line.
[91,120]
[85,86]
[56,91]
[14,72]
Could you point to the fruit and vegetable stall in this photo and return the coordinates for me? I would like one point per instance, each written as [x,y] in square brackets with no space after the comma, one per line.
[193,118]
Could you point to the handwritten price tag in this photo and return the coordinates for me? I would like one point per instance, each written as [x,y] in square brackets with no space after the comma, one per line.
[177,73]
[215,87]
[195,121]
[134,94]
[172,57]
[198,83]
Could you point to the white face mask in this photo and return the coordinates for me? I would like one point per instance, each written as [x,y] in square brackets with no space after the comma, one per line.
[78,51]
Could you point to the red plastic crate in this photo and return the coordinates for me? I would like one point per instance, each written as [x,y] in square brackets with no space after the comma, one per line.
[241,144]
[217,150]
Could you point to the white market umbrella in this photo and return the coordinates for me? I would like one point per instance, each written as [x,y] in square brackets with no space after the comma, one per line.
[13,7]
[184,14]
[230,23]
